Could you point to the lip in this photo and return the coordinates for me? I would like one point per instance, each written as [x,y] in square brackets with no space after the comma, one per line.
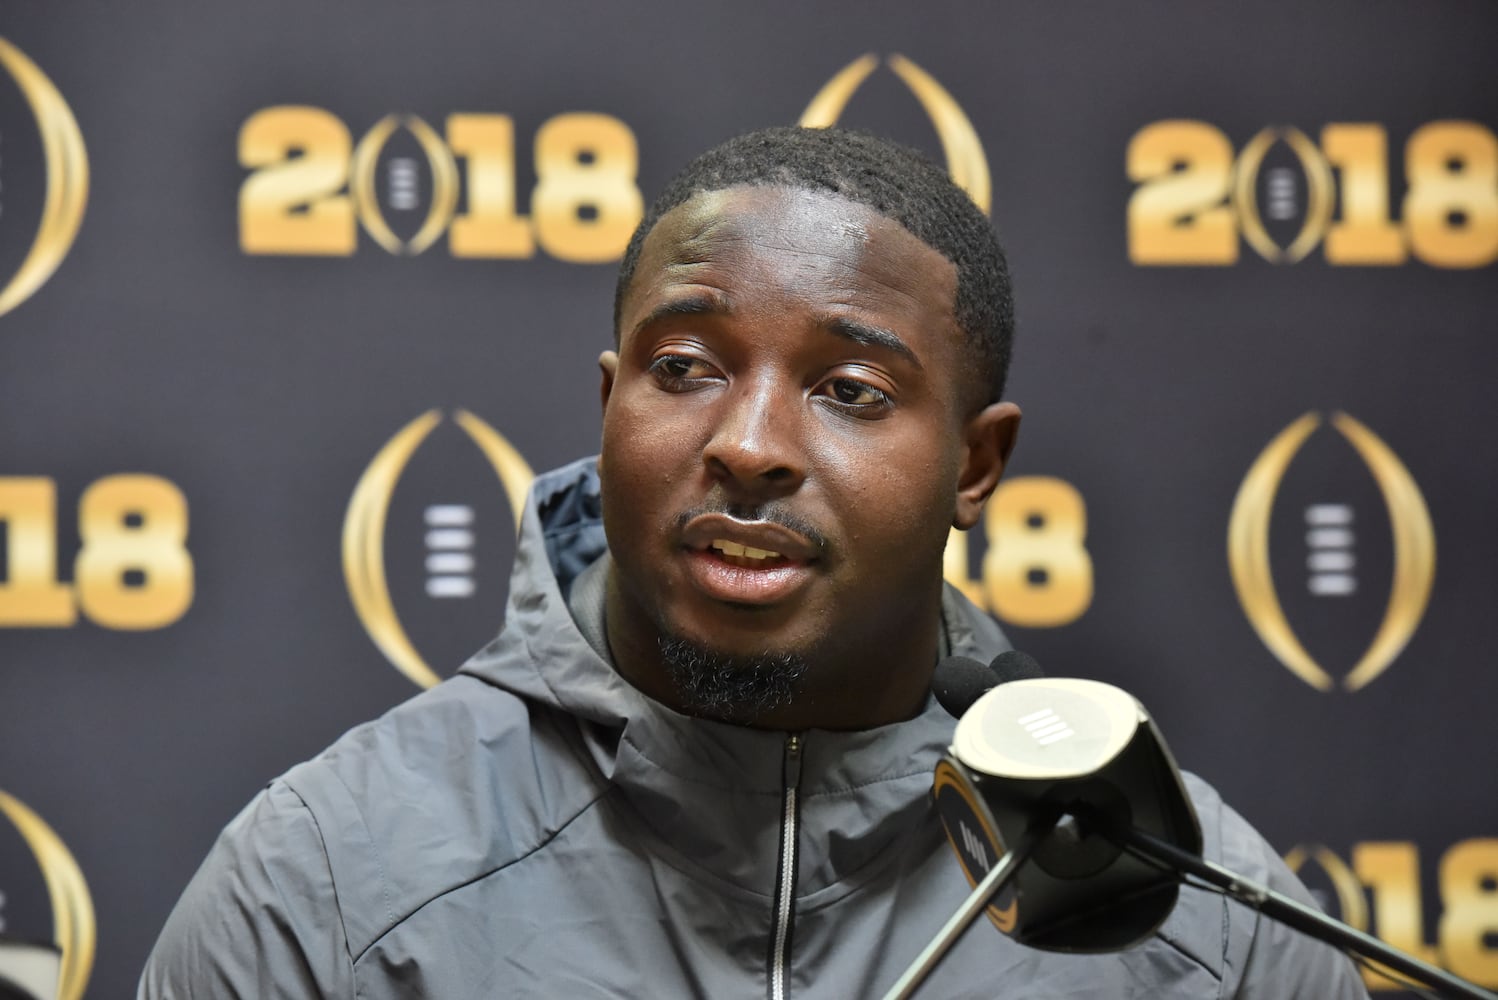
[732,583]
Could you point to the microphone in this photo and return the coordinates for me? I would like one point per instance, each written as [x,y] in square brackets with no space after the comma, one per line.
[958,681]
[1037,767]
[1047,767]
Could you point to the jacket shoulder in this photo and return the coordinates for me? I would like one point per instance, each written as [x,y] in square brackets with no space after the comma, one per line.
[1256,957]
[266,880]
[452,785]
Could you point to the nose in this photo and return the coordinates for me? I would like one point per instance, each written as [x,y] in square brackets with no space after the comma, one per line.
[755,450]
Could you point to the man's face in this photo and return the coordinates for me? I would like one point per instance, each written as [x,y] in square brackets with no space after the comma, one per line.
[784,440]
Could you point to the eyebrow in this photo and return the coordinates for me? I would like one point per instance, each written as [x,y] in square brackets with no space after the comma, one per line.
[699,304]
[711,304]
[872,336]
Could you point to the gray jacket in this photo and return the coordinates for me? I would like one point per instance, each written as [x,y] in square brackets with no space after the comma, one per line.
[536,827]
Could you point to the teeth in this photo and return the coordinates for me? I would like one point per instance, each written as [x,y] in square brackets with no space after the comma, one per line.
[729,548]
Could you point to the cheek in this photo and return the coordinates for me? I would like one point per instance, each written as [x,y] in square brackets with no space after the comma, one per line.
[899,493]
[642,449]
[632,433]
[914,459]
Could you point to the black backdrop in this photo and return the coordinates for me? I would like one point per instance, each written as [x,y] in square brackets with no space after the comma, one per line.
[283,233]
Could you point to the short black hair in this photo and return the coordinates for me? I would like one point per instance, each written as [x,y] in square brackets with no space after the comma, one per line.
[899,183]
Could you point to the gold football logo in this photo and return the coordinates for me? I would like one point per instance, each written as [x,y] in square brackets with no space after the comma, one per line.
[73,927]
[1414,552]
[67,178]
[959,140]
[364,529]
[444,184]
[1320,194]
[960,804]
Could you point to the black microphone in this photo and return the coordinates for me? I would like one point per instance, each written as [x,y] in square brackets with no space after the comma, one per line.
[1048,768]
[1041,775]
[958,681]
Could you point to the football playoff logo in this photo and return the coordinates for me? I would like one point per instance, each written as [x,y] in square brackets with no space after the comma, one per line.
[65,169]
[449,534]
[1331,557]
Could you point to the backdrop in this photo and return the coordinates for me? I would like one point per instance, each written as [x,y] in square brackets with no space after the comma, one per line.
[294,297]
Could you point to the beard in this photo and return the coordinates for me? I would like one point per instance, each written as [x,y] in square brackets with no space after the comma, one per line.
[736,689]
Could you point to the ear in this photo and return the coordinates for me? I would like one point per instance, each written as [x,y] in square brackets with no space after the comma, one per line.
[988,438]
[608,363]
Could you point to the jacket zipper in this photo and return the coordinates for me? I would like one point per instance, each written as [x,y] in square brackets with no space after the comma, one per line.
[785,878]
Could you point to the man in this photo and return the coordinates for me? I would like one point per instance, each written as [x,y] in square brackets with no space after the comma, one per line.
[697,760]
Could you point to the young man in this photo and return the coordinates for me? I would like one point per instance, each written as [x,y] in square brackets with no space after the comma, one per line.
[697,760]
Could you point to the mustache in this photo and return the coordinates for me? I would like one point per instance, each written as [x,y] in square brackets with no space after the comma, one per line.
[765,513]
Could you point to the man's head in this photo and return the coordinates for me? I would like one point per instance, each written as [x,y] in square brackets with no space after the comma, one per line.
[798,412]
[896,181]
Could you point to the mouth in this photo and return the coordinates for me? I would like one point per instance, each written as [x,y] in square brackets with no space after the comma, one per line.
[753,563]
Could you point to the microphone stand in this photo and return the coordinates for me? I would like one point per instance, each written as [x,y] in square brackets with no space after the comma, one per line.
[998,876]
[1291,913]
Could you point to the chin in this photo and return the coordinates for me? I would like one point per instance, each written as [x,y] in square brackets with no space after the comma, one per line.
[728,685]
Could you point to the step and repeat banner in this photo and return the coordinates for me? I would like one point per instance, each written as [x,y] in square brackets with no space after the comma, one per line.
[294,299]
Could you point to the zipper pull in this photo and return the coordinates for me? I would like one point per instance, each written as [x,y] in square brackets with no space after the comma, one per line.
[793,744]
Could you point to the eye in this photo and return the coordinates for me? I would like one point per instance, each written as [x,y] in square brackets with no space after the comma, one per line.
[679,371]
[857,395]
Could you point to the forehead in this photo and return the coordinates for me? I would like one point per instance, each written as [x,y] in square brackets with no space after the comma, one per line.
[775,241]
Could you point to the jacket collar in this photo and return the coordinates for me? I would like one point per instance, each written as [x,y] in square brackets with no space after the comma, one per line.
[712,793]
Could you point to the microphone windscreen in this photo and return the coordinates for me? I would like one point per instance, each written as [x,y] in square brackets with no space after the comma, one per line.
[1012,665]
[958,681]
